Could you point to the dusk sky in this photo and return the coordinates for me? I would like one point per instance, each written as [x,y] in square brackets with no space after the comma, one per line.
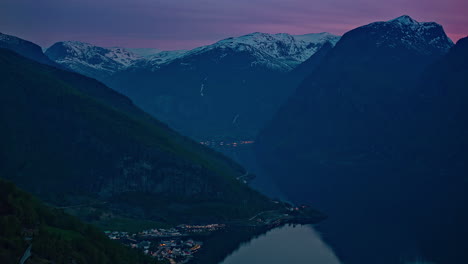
[185,24]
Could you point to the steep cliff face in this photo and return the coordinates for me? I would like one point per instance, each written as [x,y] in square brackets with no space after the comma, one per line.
[72,140]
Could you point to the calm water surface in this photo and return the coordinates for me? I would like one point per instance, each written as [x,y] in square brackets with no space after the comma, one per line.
[287,244]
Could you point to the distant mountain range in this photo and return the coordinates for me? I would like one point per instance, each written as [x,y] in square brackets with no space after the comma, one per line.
[280,52]
[376,137]
[201,91]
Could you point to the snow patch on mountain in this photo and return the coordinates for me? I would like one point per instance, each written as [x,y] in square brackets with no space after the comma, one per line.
[426,37]
[165,57]
[86,58]
[280,51]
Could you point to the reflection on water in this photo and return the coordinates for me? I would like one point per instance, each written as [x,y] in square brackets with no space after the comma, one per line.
[287,244]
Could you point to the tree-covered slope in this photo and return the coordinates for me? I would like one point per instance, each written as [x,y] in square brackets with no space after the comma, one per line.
[54,236]
[71,140]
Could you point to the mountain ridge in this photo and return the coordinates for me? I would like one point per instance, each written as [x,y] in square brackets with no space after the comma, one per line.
[73,53]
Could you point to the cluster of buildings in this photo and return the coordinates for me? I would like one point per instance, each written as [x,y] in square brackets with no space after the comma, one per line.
[167,244]
[201,228]
[220,144]
[116,235]
[172,232]
[177,250]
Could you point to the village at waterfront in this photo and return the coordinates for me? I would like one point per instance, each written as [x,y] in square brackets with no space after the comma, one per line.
[173,244]
[177,244]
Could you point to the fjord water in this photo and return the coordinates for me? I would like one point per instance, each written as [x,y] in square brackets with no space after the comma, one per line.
[286,244]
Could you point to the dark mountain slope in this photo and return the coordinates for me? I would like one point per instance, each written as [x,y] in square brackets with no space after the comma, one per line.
[307,67]
[25,48]
[443,93]
[346,140]
[71,140]
[344,111]
[55,236]
[201,95]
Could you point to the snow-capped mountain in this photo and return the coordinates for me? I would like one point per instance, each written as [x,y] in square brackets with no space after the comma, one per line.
[404,31]
[281,51]
[356,125]
[243,79]
[91,60]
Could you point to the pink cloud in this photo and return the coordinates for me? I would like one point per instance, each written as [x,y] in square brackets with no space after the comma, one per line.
[184,24]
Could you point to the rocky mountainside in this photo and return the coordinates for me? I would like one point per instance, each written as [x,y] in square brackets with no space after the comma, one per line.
[73,141]
[349,136]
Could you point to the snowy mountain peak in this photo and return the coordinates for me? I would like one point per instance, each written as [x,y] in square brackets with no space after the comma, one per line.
[280,51]
[90,59]
[404,20]
[261,40]
[86,50]
[404,31]
[407,21]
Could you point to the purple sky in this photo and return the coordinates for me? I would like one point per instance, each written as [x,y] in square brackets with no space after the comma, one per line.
[184,24]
